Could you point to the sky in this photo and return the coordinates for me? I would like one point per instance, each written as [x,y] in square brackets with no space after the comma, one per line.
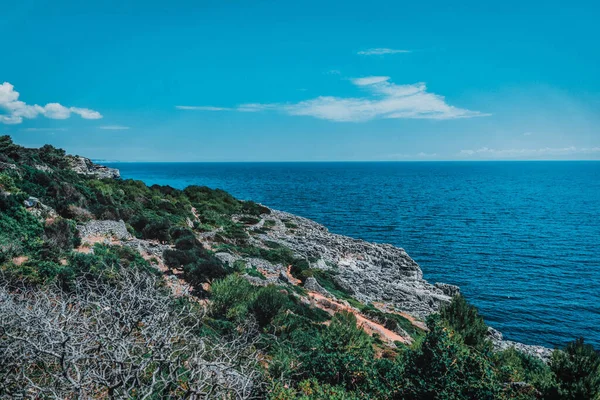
[302,81]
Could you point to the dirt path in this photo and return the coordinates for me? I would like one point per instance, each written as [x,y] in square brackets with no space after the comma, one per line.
[332,306]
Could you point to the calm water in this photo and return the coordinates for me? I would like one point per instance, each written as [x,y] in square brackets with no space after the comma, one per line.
[520,238]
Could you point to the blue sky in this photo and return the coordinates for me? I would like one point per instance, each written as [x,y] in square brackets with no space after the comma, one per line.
[281,80]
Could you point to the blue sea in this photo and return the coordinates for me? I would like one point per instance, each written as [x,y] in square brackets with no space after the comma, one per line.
[521,239]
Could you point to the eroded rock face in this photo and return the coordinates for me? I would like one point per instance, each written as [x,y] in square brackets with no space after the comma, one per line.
[312,285]
[370,271]
[543,353]
[116,229]
[85,166]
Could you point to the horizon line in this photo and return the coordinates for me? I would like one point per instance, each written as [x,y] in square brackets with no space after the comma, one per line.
[338,161]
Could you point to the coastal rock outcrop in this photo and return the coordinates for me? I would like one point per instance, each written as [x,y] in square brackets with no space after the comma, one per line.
[85,166]
[370,271]
[543,353]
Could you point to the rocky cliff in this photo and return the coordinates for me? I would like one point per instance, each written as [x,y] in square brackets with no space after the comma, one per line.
[375,273]
[371,272]
[85,166]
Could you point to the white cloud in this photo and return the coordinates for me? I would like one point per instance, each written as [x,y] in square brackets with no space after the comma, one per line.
[15,110]
[527,133]
[426,155]
[400,156]
[369,80]
[86,113]
[114,127]
[202,108]
[383,100]
[518,153]
[44,129]
[381,51]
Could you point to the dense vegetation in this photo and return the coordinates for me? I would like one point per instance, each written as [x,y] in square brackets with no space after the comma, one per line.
[58,337]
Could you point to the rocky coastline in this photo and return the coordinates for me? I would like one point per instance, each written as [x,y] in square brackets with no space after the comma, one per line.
[373,273]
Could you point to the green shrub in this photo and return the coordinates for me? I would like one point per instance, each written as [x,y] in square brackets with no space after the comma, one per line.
[252,208]
[204,269]
[464,319]
[249,220]
[443,367]
[515,366]
[343,353]
[62,234]
[255,273]
[53,157]
[198,264]
[235,232]
[577,371]
[7,183]
[157,229]
[231,297]
[268,302]
[311,389]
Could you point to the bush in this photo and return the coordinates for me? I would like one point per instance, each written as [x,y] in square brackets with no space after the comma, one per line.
[204,270]
[464,319]
[198,264]
[342,355]
[577,371]
[269,301]
[515,366]
[7,183]
[158,229]
[311,389]
[53,156]
[443,367]
[62,234]
[231,297]
[252,208]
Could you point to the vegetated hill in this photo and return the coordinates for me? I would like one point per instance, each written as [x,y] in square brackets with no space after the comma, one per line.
[111,288]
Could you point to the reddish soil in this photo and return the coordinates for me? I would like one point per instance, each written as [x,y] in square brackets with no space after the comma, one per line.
[20,260]
[332,306]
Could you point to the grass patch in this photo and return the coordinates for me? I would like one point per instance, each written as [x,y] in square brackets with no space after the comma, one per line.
[255,273]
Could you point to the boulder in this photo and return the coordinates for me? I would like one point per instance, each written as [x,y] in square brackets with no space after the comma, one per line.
[312,285]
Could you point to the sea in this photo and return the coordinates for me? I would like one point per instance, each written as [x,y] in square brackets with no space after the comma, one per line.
[521,239]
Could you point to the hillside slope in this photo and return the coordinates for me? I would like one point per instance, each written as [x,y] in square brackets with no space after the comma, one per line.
[211,297]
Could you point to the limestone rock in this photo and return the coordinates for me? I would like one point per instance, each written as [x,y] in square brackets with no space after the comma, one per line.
[314,286]
[447,289]
[7,166]
[543,353]
[370,271]
[115,229]
[226,258]
[151,248]
[85,166]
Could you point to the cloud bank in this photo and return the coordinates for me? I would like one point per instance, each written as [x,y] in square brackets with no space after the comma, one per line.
[383,100]
[45,129]
[12,110]
[518,153]
[381,51]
